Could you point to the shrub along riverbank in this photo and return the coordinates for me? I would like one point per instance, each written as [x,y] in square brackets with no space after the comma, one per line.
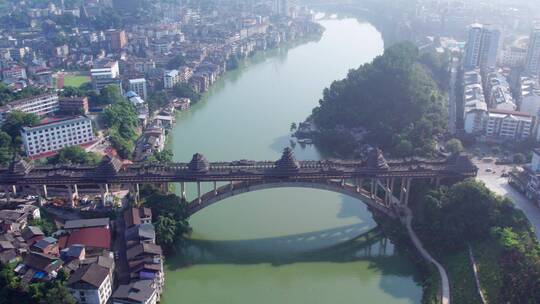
[504,245]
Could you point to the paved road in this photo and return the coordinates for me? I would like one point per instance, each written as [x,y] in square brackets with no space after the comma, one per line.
[452,117]
[122,267]
[500,185]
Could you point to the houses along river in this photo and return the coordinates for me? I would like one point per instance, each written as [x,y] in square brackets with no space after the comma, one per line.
[282,245]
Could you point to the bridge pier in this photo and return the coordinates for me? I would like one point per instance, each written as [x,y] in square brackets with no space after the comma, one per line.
[182,190]
[14,189]
[76,190]
[71,201]
[45,192]
[134,190]
[7,193]
[104,190]
[215,188]
[387,193]
[372,188]
[199,192]
[231,186]
[359,182]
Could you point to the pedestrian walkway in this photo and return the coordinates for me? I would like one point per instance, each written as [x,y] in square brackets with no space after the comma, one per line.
[418,244]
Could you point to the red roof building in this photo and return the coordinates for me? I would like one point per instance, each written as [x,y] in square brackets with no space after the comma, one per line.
[94,239]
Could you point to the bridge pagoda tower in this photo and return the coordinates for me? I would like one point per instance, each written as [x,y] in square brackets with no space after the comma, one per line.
[287,164]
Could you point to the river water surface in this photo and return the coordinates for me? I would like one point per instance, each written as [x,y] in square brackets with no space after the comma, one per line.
[282,245]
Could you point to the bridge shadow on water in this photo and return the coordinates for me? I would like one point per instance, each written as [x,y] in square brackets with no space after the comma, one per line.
[344,244]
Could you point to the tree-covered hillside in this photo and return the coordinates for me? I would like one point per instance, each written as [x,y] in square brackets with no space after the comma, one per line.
[394,98]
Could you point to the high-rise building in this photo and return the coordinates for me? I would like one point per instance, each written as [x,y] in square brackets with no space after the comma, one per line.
[117,39]
[138,86]
[482,47]
[532,63]
[282,7]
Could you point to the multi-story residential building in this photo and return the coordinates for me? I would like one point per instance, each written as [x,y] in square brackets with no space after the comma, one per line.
[90,284]
[145,66]
[106,74]
[14,73]
[40,105]
[185,73]
[482,46]
[532,64]
[170,78]
[117,39]
[56,134]
[73,105]
[475,118]
[498,92]
[509,125]
[513,57]
[138,86]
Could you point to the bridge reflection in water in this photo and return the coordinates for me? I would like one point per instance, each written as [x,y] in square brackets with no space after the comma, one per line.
[342,244]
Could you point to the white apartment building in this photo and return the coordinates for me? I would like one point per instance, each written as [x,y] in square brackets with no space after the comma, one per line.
[170,78]
[509,125]
[40,105]
[106,74]
[138,86]
[90,284]
[185,74]
[55,135]
[532,63]
[475,117]
[482,46]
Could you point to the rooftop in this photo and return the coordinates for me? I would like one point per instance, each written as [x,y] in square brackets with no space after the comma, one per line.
[92,274]
[97,222]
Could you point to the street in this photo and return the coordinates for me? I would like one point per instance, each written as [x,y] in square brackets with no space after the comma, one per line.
[452,97]
[499,185]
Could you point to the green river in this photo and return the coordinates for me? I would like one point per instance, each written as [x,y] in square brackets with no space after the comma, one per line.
[282,245]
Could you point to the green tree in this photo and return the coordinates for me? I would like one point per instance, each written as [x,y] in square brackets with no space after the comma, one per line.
[183,90]
[410,114]
[165,156]
[58,294]
[454,145]
[72,91]
[122,120]
[157,100]
[293,127]
[176,62]
[165,231]
[519,158]
[75,155]
[16,120]
[6,150]
[110,95]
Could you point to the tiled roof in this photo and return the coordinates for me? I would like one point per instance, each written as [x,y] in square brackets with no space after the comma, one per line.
[87,223]
[92,274]
[89,237]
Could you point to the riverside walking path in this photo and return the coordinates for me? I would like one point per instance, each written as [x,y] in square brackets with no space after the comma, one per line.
[418,244]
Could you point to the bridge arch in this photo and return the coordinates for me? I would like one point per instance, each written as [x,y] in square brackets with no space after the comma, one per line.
[234,189]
